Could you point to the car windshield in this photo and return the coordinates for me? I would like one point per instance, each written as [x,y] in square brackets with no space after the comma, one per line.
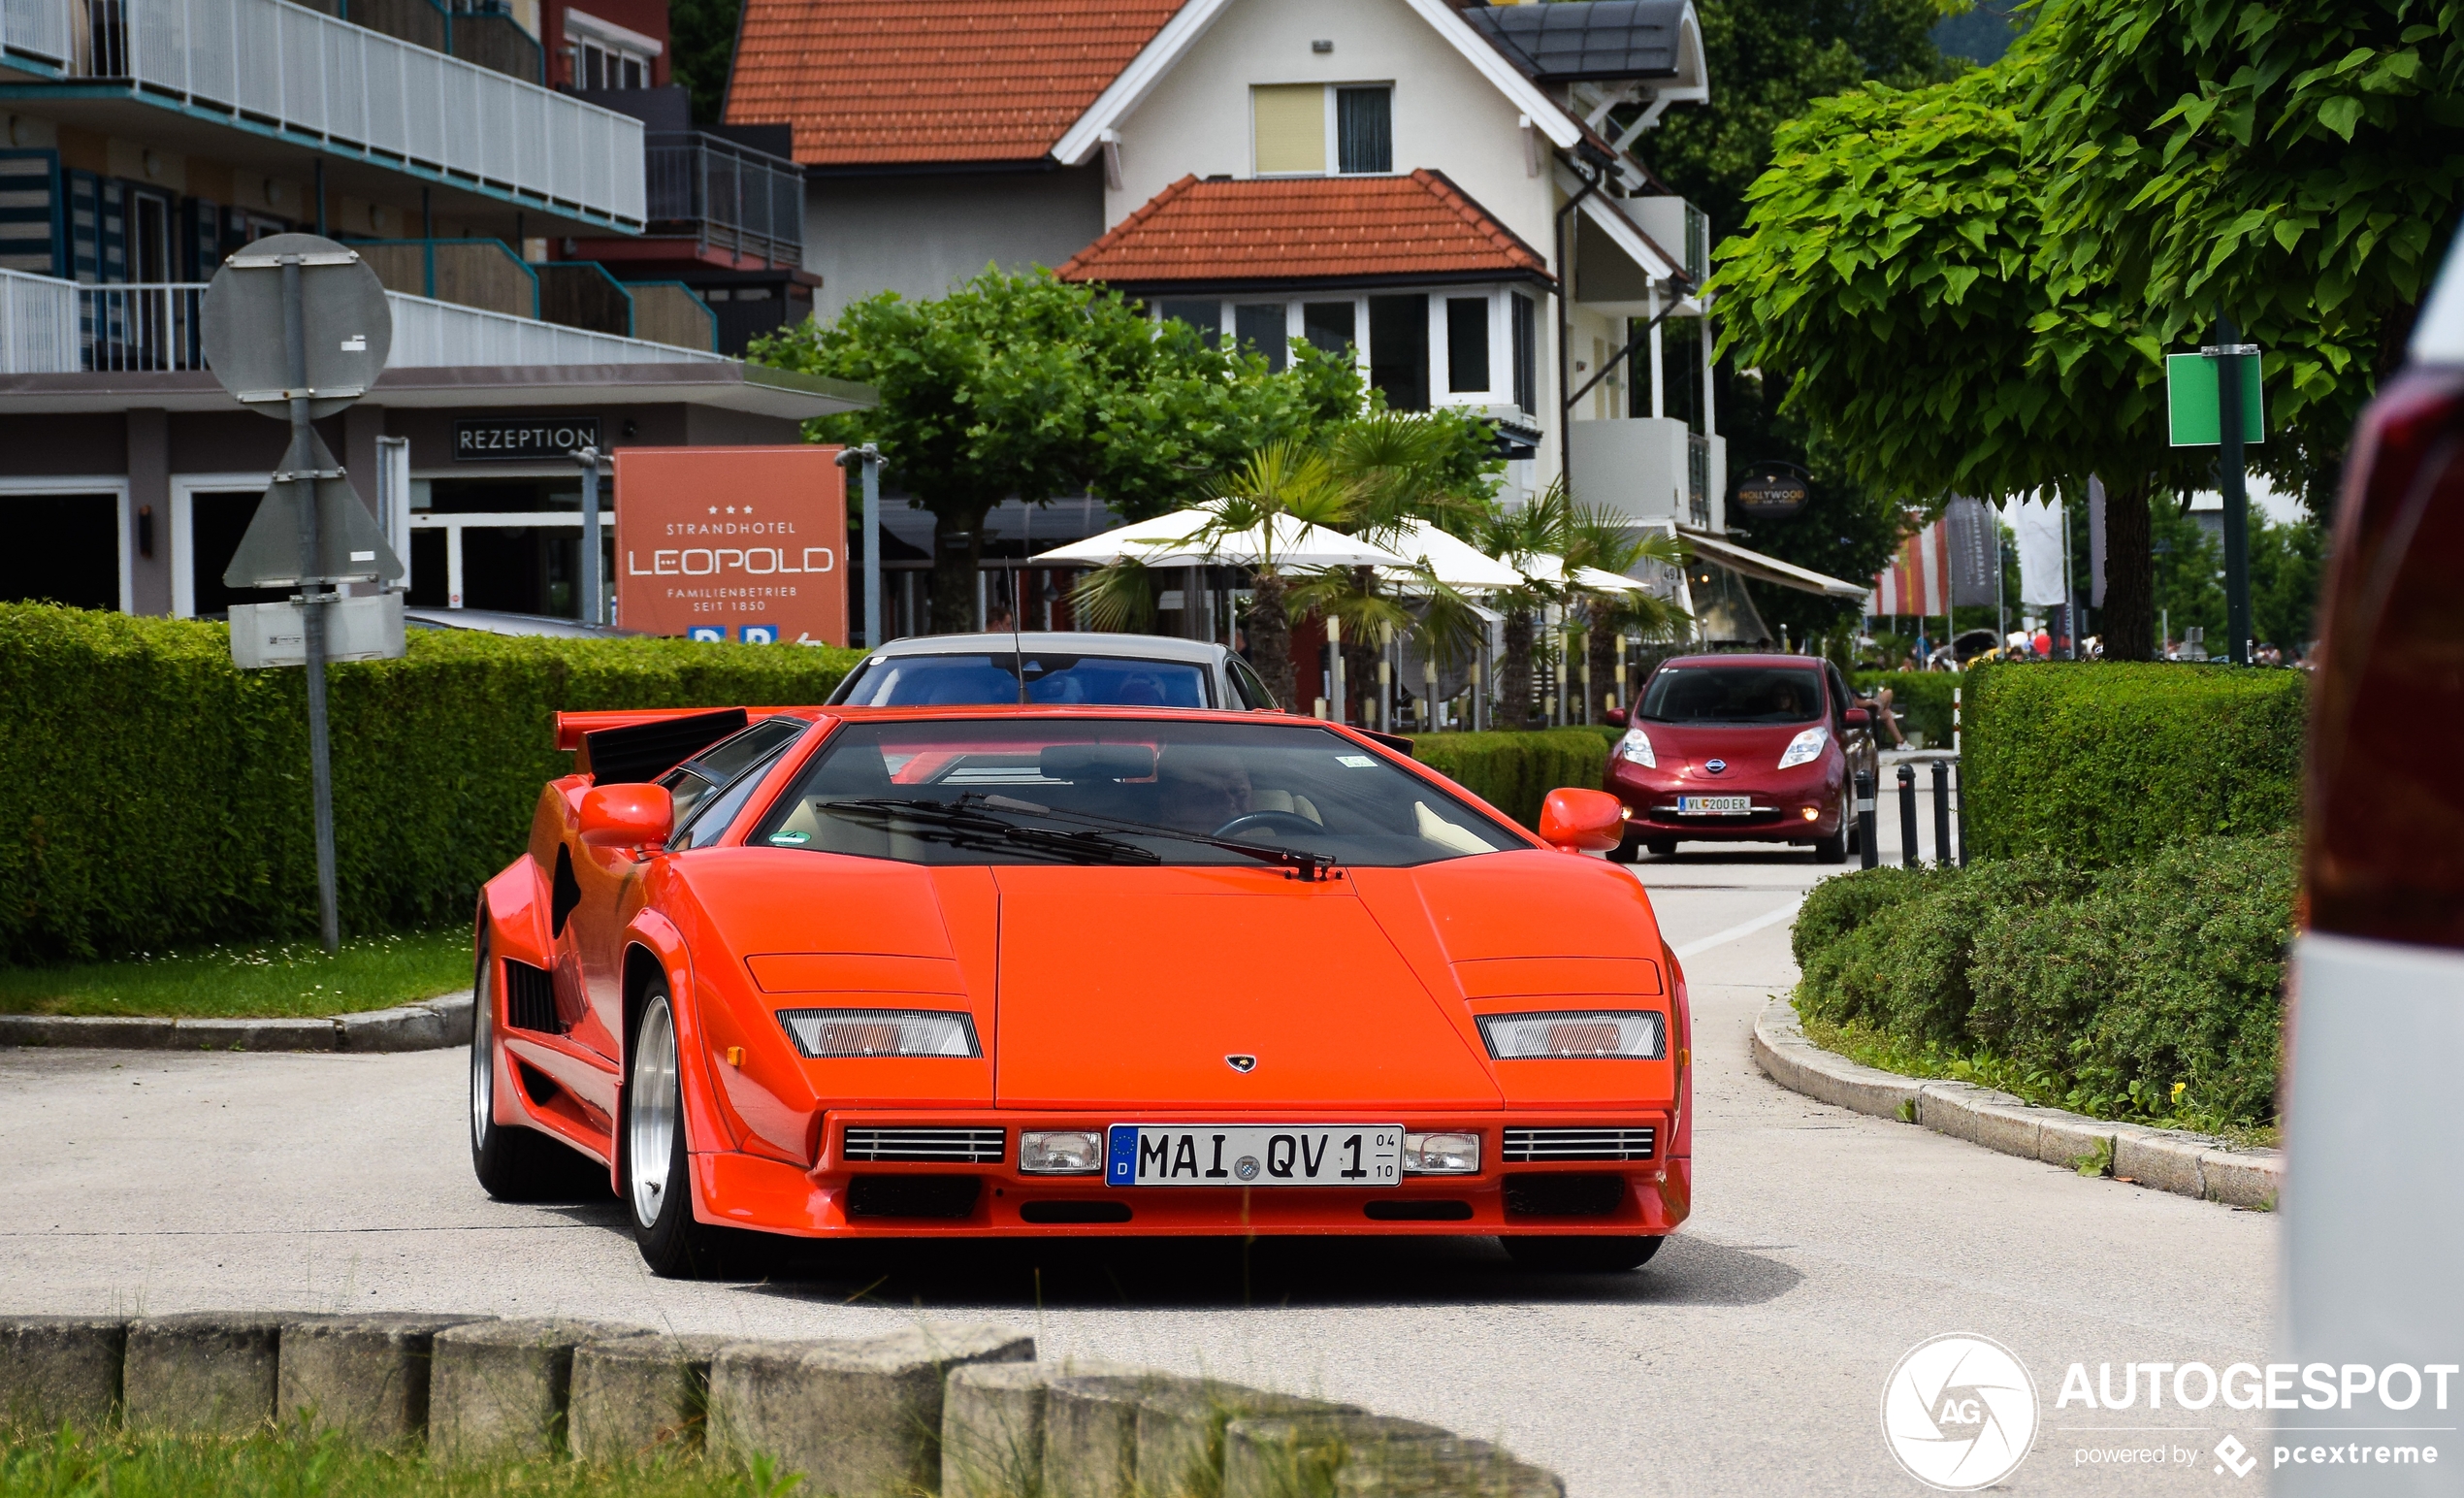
[1732,694]
[1120,791]
[1061,680]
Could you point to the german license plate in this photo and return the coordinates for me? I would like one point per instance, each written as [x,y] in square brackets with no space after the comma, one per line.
[1246,1155]
[1714,805]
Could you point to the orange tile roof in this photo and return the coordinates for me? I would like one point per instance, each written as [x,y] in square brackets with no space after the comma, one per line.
[931,81]
[1306,228]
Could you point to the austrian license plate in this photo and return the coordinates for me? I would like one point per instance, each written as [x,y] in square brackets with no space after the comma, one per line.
[1714,805]
[1244,1155]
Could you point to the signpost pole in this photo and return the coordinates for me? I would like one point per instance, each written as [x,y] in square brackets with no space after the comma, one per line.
[594,604]
[2237,513]
[304,479]
[869,458]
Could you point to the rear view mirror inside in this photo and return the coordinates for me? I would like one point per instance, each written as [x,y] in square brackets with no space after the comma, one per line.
[1077,762]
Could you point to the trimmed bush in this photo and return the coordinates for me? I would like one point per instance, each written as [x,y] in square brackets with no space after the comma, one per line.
[1922,698]
[2096,989]
[1514,773]
[156,795]
[2106,761]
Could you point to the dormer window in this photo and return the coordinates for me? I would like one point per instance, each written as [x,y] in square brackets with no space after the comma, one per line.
[1294,124]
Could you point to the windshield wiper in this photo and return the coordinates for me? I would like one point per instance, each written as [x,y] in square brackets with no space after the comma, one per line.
[1311,867]
[967,824]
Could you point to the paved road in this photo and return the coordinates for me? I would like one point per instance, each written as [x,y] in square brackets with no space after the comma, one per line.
[1748,1358]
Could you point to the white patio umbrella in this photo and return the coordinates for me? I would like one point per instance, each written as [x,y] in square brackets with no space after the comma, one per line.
[1455,562]
[1541,566]
[1173,540]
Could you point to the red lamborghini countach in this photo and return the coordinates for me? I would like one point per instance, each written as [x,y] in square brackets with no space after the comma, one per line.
[1003,972]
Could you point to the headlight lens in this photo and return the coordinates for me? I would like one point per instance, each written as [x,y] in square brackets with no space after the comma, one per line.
[1807,746]
[823,1033]
[1441,1154]
[1636,747]
[1065,1151]
[1577,1035]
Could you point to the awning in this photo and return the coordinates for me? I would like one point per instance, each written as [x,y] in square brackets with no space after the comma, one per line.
[1770,570]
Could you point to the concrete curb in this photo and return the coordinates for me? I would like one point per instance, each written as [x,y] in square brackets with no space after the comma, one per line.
[2160,1158]
[959,1408]
[430,1025]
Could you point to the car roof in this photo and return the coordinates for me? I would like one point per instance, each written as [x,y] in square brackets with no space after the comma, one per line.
[1151,647]
[1766,658]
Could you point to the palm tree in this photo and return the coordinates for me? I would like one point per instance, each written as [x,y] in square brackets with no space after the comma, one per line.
[1536,528]
[1612,542]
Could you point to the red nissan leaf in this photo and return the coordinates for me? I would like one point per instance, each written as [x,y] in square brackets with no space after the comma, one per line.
[1737,748]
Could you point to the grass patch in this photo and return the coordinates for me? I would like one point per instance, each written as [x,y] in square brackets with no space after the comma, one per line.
[288,1464]
[241,980]
[1933,1062]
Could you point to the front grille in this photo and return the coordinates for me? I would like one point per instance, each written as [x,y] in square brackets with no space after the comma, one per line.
[530,998]
[913,1196]
[1526,1146]
[950,1146]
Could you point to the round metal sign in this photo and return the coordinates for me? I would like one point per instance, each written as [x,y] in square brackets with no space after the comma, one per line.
[347,323]
[1770,496]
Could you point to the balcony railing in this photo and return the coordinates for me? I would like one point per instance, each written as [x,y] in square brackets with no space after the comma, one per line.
[351,89]
[57,326]
[725,195]
[1697,479]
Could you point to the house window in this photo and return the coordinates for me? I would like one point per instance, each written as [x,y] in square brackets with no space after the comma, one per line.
[1399,350]
[1365,129]
[1525,354]
[1261,327]
[1332,326]
[1206,316]
[1291,124]
[1467,343]
[608,55]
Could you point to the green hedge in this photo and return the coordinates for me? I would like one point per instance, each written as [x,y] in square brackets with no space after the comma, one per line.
[2099,991]
[2102,763]
[1922,698]
[155,795]
[1514,773]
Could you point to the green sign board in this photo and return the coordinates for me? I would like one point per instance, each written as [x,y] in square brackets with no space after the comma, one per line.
[2191,388]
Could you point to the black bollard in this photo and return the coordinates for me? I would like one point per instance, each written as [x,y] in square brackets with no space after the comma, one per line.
[1867,855]
[1958,781]
[1941,813]
[1908,816]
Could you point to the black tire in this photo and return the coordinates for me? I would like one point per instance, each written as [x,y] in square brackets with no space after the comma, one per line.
[1661,847]
[513,1163]
[1627,851]
[1582,1255]
[1832,849]
[650,1121]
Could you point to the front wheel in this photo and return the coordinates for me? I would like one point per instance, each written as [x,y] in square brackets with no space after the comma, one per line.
[1583,1255]
[1832,849]
[1629,850]
[657,1177]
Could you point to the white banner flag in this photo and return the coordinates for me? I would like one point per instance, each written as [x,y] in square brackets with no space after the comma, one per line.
[2037,526]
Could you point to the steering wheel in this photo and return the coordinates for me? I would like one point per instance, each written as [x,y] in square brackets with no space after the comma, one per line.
[1253,823]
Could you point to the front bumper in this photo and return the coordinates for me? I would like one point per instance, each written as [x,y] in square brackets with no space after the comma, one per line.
[842,1198]
[1778,816]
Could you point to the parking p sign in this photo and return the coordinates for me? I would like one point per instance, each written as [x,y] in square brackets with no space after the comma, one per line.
[758,634]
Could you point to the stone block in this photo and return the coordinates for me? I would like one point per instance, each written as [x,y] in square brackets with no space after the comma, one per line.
[2243,1178]
[1091,1433]
[56,1369]
[636,1395]
[1290,1457]
[1451,1467]
[363,1376]
[110,1032]
[1181,1428]
[255,1035]
[855,1416]
[209,1371]
[499,1390]
[992,1428]
[2012,1128]
[412,1029]
[2159,1158]
[2066,1139]
[453,1015]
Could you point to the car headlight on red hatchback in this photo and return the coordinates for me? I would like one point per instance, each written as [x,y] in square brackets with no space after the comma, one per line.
[1577,1035]
[1805,747]
[1635,748]
[1441,1154]
[827,1034]
[1061,1152]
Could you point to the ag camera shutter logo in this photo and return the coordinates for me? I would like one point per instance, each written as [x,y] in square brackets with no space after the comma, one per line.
[1960,1411]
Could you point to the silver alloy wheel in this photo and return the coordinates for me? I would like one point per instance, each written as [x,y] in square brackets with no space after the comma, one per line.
[650,1131]
[483,1071]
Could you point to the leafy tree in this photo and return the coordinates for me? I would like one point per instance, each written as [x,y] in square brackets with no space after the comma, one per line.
[702,50]
[1028,386]
[2295,165]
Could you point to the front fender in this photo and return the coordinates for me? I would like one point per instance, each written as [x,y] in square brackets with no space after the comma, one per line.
[515,910]
[706,1123]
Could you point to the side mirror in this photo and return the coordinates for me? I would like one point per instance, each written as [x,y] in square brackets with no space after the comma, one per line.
[1614,717]
[1578,820]
[1857,718]
[629,815]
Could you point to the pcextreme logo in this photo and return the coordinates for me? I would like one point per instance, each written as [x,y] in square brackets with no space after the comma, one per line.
[1959,1412]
